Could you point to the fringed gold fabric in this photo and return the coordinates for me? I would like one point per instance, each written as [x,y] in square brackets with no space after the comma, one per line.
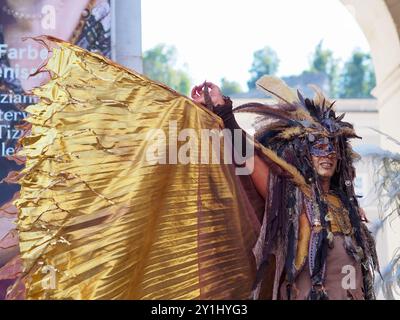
[98,221]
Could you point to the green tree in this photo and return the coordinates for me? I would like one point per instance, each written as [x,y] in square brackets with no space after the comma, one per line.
[265,62]
[323,61]
[159,63]
[358,77]
[370,82]
[230,87]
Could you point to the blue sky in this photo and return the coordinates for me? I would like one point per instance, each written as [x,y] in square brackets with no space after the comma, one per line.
[217,38]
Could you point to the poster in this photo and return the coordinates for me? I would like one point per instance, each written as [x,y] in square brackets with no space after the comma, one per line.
[86,23]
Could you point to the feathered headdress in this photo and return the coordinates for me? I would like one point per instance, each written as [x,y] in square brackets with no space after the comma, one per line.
[294,116]
[294,123]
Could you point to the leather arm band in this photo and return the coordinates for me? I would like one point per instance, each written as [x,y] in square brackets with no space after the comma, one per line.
[225,112]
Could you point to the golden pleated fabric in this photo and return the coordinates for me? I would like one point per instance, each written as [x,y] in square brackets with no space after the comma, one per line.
[103,222]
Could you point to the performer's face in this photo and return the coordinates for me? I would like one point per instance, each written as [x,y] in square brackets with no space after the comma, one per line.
[325,166]
[324,157]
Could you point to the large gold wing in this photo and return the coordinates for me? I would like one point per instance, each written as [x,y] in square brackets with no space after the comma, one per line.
[98,221]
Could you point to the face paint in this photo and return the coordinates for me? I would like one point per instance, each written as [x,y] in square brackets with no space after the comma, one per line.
[323,147]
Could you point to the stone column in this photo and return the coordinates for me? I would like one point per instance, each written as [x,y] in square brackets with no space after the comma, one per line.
[388,94]
[126,33]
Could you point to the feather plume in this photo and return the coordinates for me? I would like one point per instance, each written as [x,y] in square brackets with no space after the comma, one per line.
[278,89]
[319,98]
[265,110]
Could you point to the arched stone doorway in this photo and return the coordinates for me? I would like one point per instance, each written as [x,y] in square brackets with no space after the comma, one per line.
[380,22]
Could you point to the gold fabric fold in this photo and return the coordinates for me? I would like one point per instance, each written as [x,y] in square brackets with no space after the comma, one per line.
[98,221]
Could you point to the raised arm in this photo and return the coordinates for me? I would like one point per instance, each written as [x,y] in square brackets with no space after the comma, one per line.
[222,106]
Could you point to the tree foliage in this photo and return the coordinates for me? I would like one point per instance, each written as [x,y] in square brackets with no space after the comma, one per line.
[358,77]
[265,62]
[354,80]
[323,61]
[159,63]
[230,87]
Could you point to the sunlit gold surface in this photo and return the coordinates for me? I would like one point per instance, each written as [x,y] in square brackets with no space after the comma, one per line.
[112,225]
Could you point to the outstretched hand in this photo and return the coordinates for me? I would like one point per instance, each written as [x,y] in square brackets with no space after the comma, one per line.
[198,96]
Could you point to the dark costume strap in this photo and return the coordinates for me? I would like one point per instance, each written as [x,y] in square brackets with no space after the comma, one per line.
[225,112]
